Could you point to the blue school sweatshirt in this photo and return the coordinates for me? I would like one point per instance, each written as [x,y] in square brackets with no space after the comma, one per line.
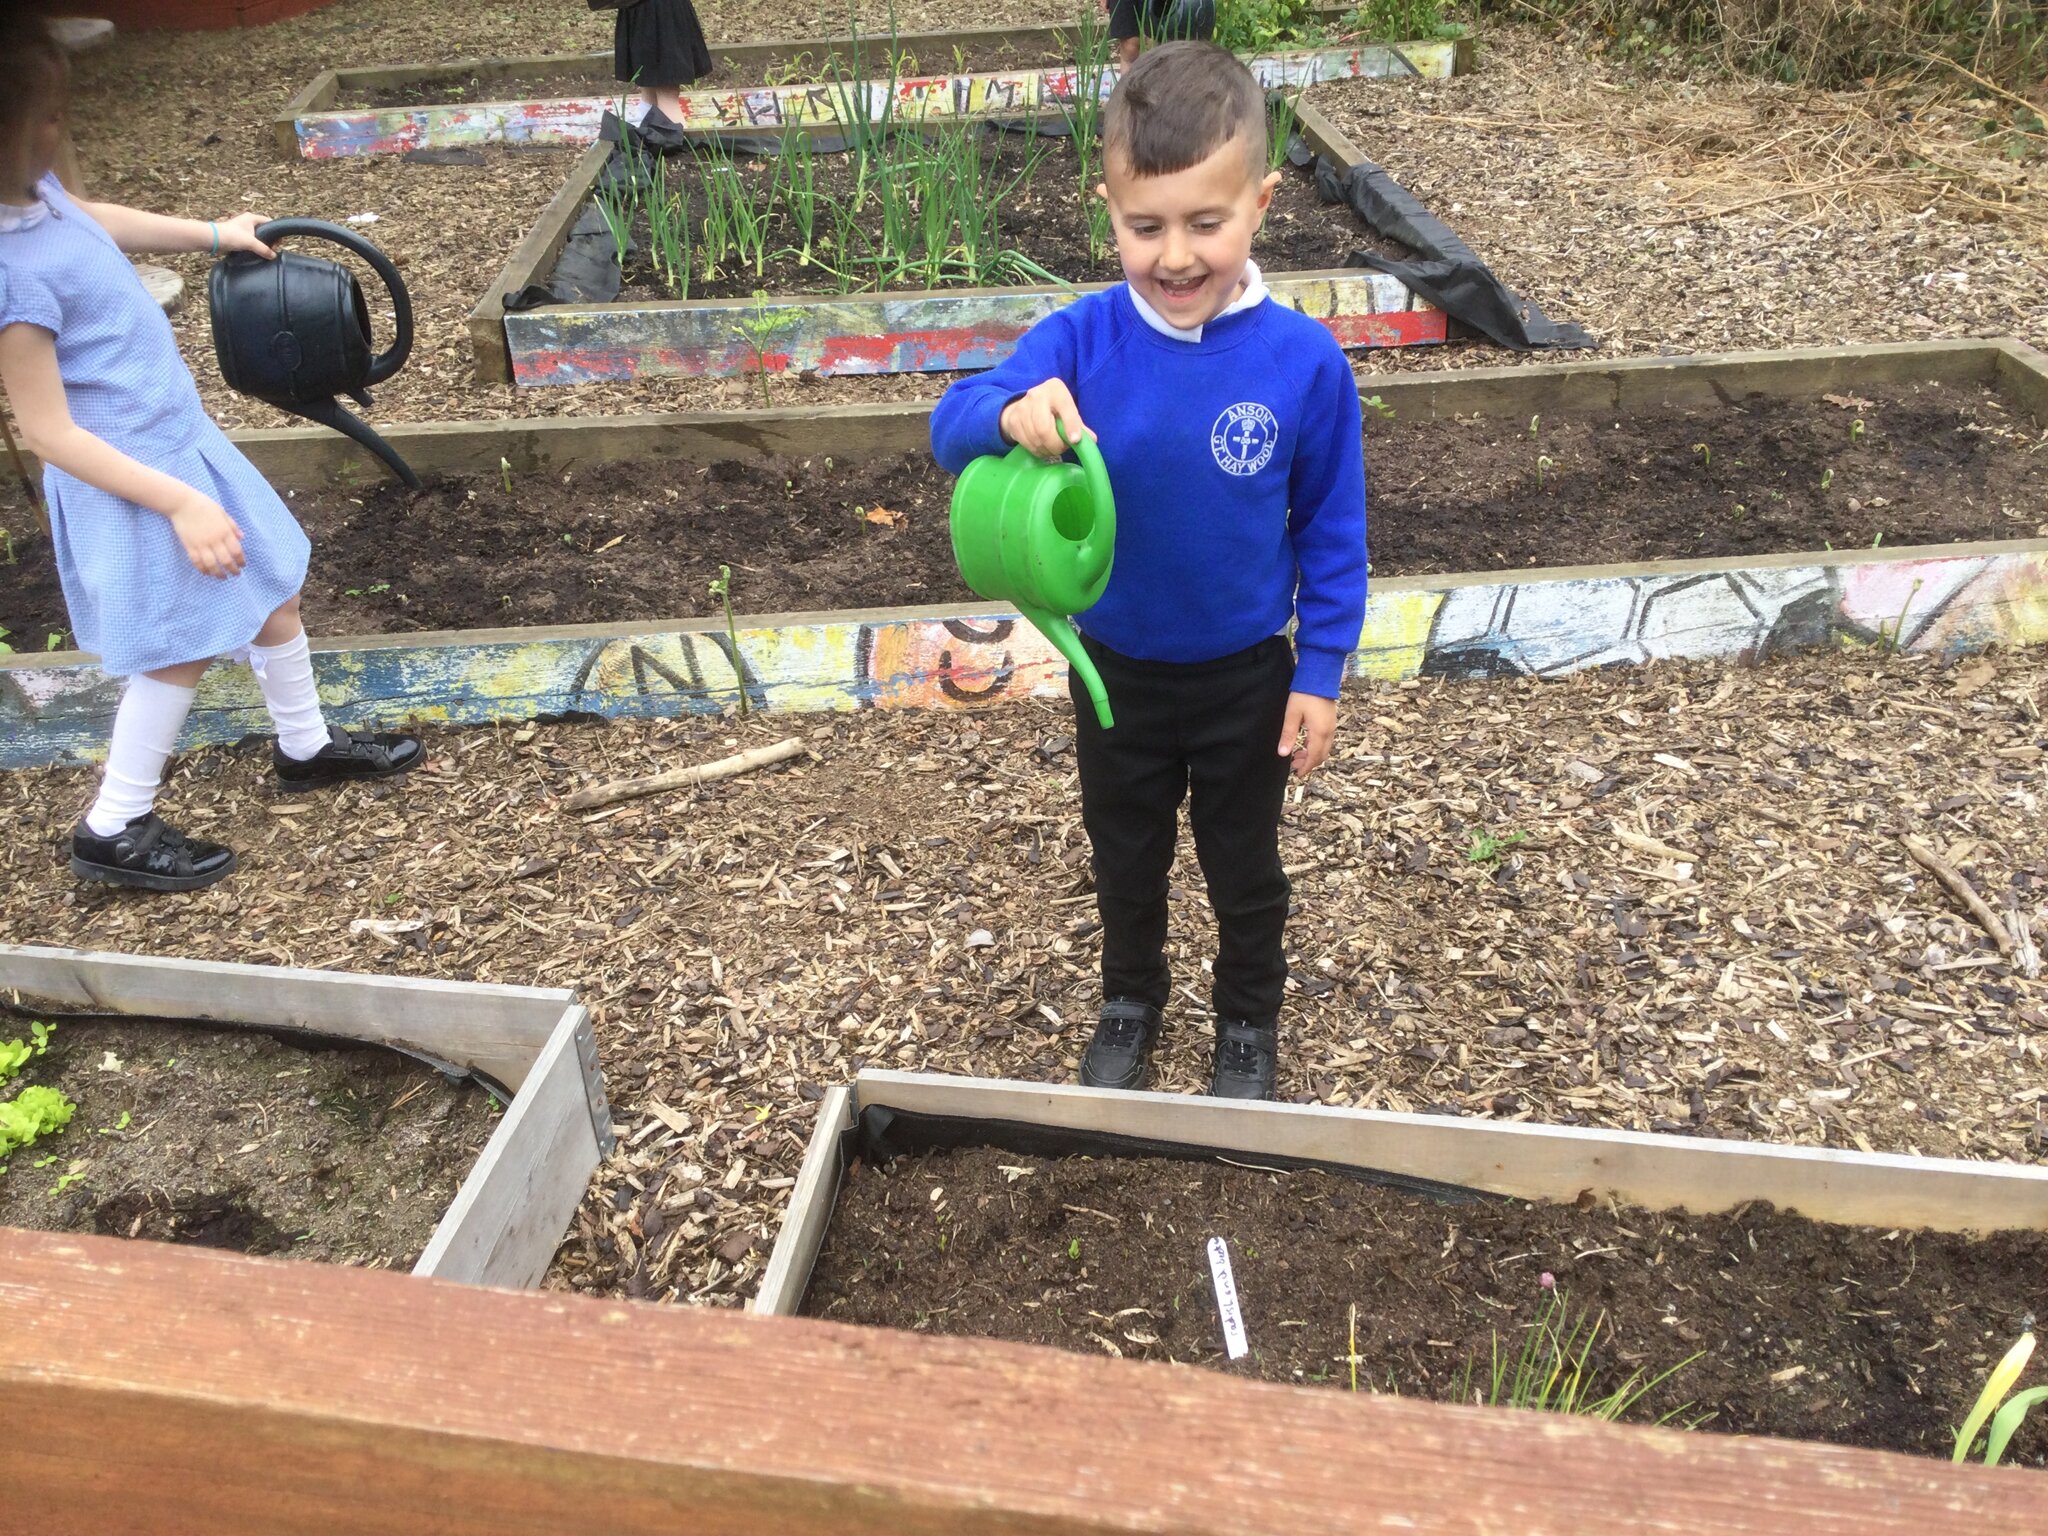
[1237,467]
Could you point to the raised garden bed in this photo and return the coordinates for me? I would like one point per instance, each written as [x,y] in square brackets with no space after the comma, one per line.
[1856,1298]
[562,98]
[900,329]
[186,1134]
[796,541]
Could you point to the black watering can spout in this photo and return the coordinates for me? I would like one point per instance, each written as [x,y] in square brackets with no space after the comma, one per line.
[295,332]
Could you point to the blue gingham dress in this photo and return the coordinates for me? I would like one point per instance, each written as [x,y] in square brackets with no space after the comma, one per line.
[135,597]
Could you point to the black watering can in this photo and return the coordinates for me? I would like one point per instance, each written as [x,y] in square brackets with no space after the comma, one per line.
[294,332]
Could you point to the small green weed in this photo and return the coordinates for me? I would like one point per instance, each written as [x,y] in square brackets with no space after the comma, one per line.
[1261,26]
[1706,455]
[1378,407]
[1074,1248]
[1487,849]
[757,328]
[722,590]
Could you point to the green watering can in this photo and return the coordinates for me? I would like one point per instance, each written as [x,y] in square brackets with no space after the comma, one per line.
[1041,536]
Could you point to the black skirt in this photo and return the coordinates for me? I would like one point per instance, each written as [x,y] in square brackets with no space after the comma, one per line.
[660,42]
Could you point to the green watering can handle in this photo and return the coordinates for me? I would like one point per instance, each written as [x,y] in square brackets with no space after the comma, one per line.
[1057,628]
[1091,464]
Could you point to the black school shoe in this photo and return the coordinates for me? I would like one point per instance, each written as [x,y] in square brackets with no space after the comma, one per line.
[343,759]
[1247,1060]
[149,855]
[1120,1055]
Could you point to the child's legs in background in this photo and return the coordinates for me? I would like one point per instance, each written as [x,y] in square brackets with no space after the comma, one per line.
[667,98]
[1238,784]
[1132,780]
[282,660]
[146,725]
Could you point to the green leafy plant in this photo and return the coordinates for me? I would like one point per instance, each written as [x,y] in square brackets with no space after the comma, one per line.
[1261,26]
[35,1111]
[54,641]
[1378,407]
[757,328]
[722,590]
[5,648]
[1487,849]
[2008,1419]
[1394,21]
[1074,1248]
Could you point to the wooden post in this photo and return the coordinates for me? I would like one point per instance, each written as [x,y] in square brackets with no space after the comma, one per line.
[156,1388]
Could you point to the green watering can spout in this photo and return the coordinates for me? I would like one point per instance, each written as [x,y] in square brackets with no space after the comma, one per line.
[1041,536]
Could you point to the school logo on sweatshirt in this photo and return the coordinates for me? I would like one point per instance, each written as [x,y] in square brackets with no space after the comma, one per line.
[1243,438]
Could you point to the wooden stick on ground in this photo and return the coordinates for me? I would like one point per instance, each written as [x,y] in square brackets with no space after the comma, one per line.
[594,795]
[1650,845]
[1962,890]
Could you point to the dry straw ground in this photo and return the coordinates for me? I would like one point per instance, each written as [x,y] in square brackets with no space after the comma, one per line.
[917,893]
[1702,917]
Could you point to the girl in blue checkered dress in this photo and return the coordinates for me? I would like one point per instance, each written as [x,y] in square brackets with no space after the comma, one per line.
[172,549]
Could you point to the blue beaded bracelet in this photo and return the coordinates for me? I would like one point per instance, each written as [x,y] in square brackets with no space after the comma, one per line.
[214,230]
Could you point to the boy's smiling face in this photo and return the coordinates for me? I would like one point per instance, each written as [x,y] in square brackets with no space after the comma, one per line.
[1184,236]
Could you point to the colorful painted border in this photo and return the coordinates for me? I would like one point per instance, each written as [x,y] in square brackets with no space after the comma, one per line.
[574,121]
[1952,599]
[890,332]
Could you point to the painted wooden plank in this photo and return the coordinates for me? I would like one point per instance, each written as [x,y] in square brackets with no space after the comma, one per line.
[1525,1159]
[788,1272]
[1942,599]
[498,1030]
[169,1389]
[510,1214]
[891,332]
[812,104]
[536,253]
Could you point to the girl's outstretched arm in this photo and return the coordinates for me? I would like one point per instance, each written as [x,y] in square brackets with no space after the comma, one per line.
[28,371]
[150,234]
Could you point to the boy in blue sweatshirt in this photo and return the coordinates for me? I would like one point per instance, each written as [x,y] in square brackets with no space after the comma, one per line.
[1230,427]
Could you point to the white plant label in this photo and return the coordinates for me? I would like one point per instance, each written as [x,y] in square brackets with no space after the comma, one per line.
[1226,1299]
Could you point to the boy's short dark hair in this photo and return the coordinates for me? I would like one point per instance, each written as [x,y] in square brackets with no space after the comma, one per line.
[1181,103]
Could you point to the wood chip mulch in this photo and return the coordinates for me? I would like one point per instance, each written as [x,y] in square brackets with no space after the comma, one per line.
[1701,916]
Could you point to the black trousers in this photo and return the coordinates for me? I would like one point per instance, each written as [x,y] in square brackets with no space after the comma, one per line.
[1208,731]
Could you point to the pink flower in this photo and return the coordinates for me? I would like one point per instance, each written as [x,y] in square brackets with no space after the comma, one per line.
[1547,1280]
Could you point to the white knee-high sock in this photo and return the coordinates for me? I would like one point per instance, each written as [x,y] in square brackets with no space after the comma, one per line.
[146,727]
[285,674]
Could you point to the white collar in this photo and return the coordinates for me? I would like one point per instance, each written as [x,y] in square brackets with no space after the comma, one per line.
[1254,293]
[14,216]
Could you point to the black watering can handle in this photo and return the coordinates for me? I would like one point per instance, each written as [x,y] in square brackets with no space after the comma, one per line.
[387,363]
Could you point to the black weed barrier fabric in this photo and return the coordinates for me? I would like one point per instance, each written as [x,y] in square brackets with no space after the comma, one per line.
[1446,271]
[879,1134]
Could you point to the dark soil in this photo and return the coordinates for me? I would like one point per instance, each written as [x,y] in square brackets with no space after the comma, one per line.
[808,66]
[1044,219]
[235,1139]
[642,540]
[1770,1324]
